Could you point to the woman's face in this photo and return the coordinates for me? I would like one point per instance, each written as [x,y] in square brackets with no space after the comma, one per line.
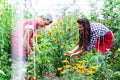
[44,23]
[80,27]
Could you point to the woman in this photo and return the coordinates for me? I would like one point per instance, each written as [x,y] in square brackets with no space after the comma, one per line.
[22,38]
[91,34]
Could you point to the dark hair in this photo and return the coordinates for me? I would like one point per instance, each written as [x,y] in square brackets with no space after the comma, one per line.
[85,35]
[49,20]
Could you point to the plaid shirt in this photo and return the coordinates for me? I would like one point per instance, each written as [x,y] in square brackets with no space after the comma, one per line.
[97,30]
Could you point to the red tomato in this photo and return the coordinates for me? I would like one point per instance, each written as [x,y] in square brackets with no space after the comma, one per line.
[28,78]
[33,78]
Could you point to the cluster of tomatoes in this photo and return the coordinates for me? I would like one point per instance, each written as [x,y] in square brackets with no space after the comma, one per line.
[28,78]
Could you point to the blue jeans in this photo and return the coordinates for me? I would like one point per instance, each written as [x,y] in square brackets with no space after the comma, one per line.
[104,54]
[101,59]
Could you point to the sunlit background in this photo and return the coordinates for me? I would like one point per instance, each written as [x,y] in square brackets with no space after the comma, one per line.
[61,36]
[56,7]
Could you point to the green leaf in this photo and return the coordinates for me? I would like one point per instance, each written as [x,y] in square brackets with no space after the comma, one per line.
[119,49]
[1,72]
[117,3]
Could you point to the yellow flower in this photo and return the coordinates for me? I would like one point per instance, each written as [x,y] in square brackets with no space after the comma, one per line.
[89,71]
[62,72]
[67,66]
[85,61]
[60,21]
[78,64]
[49,32]
[37,35]
[53,39]
[57,40]
[78,71]
[62,47]
[93,67]
[59,69]
[81,67]
[74,21]
[55,24]
[69,28]
[65,61]
[59,31]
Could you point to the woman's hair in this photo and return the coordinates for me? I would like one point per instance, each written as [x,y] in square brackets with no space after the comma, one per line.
[48,16]
[85,35]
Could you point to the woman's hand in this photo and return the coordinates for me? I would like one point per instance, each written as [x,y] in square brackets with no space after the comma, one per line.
[78,53]
[27,36]
[29,49]
[68,53]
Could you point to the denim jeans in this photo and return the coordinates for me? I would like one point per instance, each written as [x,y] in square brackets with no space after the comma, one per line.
[104,54]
